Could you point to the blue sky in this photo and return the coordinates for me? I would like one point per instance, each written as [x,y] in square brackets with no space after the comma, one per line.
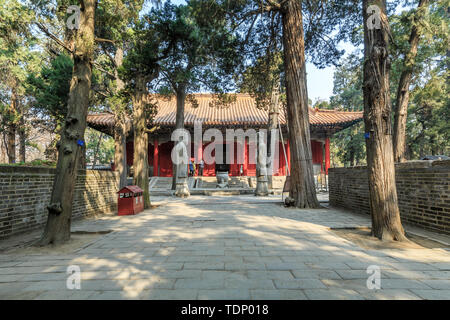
[320,82]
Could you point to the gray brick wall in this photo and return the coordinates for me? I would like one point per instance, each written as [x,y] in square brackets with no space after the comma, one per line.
[422,187]
[25,193]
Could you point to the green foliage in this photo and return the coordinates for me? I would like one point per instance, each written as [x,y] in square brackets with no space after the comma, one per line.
[200,52]
[428,110]
[18,57]
[183,50]
[348,146]
[14,20]
[203,50]
[347,88]
[142,57]
[260,78]
[434,29]
[105,144]
[50,88]
[322,104]
[428,131]
[114,20]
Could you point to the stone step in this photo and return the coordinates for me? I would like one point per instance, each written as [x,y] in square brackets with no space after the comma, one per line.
[161,183]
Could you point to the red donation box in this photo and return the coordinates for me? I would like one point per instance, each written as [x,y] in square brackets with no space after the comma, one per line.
[130,201]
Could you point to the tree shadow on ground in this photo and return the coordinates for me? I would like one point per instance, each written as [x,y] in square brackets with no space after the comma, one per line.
[221,243]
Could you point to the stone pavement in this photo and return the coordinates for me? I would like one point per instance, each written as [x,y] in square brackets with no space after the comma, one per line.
[230,247]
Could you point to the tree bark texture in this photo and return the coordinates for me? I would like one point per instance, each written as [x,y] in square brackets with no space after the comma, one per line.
[140,161]
[401,110]
[57,229]
[120,154]
[303,189]
[121,129]
[179,123]
[386,224]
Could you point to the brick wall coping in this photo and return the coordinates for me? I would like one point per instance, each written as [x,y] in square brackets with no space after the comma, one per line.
[416,164]
[5,169]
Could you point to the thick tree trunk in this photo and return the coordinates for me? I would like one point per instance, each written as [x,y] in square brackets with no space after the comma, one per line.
[401,110]
[179,123]
[57,229]
[140,161]
[120,148]
[386,224]
[121,129]
[303,189]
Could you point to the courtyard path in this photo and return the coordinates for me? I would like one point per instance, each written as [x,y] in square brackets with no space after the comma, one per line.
[231,247]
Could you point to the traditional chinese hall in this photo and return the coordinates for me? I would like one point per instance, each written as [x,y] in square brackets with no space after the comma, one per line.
[239,114]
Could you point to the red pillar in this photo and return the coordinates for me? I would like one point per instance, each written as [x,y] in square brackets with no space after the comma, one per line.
[288,155]
[327,154]
[245,166]
[155,158]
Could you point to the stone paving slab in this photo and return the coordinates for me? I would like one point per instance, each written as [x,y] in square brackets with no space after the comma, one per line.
[388,294]
[226,247]
[333,294]
[221,294]
[432,294]
[279,294]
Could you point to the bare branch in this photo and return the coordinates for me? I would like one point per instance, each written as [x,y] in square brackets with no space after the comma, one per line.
[53,37]
[100,68]
[152,129]
[100,92]
[109,56]
[104,40]
[274,4]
